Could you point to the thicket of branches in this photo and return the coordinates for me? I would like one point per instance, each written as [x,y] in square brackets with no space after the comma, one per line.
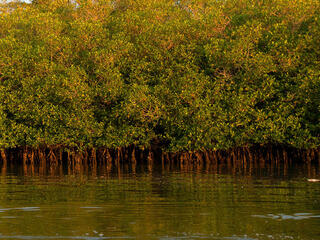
[189,74]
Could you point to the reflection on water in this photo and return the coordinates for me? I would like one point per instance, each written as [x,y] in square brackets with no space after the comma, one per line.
[61,237]
[296,216]
[256,201]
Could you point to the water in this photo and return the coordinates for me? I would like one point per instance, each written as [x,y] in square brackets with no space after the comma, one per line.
[160,202]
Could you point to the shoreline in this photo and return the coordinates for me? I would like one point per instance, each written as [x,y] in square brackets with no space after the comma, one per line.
[272,154]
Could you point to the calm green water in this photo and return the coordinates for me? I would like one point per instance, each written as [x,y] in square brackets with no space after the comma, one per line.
[160,203]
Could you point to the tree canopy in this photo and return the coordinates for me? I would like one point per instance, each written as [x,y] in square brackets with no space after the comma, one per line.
[193,75]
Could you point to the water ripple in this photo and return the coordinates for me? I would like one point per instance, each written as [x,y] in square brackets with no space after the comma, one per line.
[61,237]
[296,216]
[25,209]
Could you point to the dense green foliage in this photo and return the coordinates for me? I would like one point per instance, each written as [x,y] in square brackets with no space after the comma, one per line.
[193,74]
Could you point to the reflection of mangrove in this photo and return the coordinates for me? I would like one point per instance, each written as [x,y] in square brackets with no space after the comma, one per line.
[99,161]
[148,204]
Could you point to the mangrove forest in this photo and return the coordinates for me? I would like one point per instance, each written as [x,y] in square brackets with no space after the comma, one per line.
[119,78]
[160,119]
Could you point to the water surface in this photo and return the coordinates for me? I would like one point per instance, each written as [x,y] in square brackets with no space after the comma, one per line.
[160,202]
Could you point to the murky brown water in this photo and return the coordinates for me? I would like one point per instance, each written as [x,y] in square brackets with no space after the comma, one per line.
[160,202]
